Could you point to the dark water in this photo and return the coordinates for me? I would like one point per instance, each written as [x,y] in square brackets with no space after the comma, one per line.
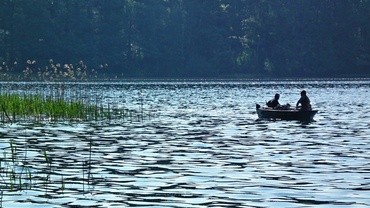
[202,147]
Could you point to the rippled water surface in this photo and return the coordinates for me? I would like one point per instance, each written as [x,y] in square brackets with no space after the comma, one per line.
[201,145]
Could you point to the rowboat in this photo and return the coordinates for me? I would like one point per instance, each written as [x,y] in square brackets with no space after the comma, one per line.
[285,114]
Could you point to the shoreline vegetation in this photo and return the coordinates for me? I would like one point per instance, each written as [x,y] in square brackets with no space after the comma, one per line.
[53,71]
[17,172]
[23,108]
[30,107]
[15,107]
[80,72]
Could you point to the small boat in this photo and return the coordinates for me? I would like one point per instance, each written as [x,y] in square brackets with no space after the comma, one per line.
[285,114]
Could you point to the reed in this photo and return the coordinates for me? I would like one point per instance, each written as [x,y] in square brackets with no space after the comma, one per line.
[11,177]
[15,173]
[54,103]
[16,107]
[32,70]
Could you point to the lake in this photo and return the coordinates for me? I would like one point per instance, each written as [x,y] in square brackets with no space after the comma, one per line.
[199,144]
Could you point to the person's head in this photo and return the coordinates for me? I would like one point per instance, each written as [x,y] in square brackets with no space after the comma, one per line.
[277,96]
[303,93]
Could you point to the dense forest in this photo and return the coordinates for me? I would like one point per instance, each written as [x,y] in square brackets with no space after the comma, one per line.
[185,38]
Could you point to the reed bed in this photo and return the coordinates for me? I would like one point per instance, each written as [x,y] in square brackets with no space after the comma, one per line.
[18,171]
[15,107]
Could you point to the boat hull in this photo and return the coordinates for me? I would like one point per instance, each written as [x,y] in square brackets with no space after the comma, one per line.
[288,114]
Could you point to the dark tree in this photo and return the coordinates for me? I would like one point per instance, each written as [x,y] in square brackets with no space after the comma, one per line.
[189,38]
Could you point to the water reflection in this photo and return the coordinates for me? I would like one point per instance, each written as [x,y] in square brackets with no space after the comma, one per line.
[204,148]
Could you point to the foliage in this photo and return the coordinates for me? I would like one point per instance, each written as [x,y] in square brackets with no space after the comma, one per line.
[14,108]
[174,38]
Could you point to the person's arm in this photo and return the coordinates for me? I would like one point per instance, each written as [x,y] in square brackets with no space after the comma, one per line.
[298,103]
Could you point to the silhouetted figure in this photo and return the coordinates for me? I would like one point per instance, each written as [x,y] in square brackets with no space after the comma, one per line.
[304,102]
[274,103]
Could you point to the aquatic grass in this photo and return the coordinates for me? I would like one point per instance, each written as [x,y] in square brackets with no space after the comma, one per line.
[15,173]
[16,107]
[10,175]
[63,102]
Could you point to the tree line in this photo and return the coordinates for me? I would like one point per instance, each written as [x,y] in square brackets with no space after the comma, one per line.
[187,38]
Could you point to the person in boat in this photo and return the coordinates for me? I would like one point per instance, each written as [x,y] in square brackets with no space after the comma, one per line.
[304,102]
[274,103]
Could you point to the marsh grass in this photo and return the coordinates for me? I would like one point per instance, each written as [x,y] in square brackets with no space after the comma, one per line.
[14,173]
[15,107]
[53,101]
[18,172]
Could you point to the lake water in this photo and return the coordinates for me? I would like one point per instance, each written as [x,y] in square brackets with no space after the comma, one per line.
[200,145]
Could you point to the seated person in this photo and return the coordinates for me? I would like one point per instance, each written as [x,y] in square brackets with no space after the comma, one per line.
[304,102]
[274,103]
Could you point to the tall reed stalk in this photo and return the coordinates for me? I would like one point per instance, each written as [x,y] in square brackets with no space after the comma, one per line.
[35,108]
